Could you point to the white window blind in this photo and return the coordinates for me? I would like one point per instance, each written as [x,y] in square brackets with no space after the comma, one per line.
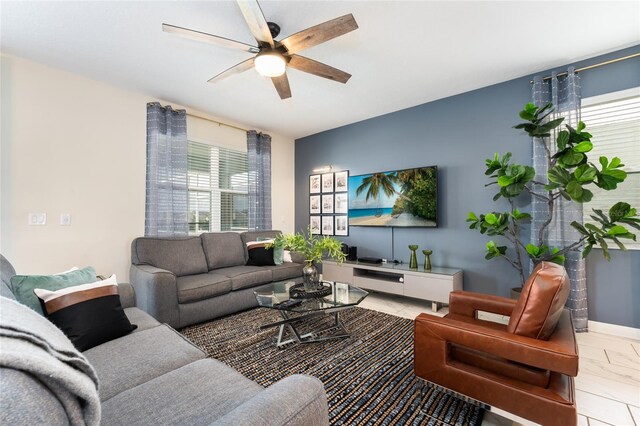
[218,189]
[614,122]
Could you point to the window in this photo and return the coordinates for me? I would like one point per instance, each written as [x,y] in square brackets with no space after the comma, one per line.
[614,121]
[218,189]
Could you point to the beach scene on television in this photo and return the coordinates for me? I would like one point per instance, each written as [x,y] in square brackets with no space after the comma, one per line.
[402,198]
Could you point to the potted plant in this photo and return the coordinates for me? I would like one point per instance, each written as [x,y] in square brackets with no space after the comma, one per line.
[570,173]
[313,248]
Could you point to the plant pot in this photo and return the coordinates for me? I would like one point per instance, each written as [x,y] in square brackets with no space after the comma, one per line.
[310,277]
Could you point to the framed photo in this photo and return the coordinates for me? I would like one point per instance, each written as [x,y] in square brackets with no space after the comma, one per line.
[327,225]
[327,182]
[314,224]
[327,203]
[341,203]
[314,184]
[314,204]
[342,181]
[342,225]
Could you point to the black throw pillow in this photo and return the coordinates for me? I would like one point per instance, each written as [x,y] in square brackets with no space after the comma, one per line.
[88,314]
[259,255]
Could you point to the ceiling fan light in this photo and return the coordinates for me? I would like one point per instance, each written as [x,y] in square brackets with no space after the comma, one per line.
[270,64]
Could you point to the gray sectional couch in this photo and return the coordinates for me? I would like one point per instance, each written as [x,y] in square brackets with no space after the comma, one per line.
[153,376]
[183,281]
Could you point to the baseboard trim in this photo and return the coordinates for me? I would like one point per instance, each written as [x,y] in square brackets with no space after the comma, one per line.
[614,329]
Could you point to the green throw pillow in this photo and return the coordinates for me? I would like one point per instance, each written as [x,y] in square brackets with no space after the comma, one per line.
[22,286]
[278,254]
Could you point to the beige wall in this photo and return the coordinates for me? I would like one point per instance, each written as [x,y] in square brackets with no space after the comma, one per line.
[74,145]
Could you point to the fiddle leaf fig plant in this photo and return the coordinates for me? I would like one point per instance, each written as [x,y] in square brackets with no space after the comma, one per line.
[570,174]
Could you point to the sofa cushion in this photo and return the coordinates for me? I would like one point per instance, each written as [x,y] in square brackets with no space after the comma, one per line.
[143,320]
[223,249]
[182,256]
[195,394]
[541,302]
[286,271]
[89,314]
[246,276]
[23,285]
[136,358]
[202,286]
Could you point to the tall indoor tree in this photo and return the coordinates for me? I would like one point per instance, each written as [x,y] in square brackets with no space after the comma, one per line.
[570,173]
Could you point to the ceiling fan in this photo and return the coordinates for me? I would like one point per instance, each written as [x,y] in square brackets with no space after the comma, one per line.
[273,56]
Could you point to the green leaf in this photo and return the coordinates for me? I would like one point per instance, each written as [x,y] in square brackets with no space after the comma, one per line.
[572,158]
[574,189]
[604,162]
[563,138]
[619,210]
[506,180]
[491,219]
[559,175]
[564,194]
[584,146]
[587,250]
[617,230]
[581,127]
[532,250]
[580,228]
[585,173]
[471,217]
[615,162]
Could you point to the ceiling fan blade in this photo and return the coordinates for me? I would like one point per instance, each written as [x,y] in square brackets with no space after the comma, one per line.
[282,86]
[209,38]
[319,33]
[318,68]
[255,20]
[236,69]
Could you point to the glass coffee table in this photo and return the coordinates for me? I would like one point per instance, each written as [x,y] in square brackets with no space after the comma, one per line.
[343,296]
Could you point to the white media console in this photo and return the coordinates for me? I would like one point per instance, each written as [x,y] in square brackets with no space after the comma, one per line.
[434,285]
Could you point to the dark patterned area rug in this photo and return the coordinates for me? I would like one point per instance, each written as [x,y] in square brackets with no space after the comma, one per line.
[368,377]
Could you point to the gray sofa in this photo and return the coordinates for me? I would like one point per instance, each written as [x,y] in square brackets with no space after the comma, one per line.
[153,376]
[184,281]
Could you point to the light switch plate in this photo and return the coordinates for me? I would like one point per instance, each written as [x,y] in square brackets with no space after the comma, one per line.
[37,219]
[65,219]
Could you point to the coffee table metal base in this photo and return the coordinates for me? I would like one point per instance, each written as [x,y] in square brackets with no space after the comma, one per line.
[336,331]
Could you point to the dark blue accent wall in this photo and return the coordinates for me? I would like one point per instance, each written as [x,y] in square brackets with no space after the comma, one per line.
[457,134]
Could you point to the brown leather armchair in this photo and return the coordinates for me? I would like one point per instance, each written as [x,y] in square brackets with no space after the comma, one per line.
[526,367]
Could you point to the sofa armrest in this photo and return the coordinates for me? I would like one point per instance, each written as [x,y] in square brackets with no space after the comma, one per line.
[127,295]
[467,303]
[559,354]
[156,293]
[297,400]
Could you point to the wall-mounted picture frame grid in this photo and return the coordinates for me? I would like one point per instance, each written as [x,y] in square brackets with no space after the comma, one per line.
[329,203]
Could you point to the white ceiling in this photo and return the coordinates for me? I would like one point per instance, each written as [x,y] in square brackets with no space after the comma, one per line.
[403,54]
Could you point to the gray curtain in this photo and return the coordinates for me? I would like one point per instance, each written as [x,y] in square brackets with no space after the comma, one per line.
[259,157]
[166,200]
[564,93]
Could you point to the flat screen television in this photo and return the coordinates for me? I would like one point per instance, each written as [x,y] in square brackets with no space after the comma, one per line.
[398,198]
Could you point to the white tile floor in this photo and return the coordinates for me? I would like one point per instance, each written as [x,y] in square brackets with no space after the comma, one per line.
[607,387]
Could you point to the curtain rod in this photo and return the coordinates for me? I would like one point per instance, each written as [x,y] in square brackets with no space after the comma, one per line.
[217,122]
[612,61]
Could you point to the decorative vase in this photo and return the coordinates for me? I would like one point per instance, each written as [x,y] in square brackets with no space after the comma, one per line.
[310,277]
[413,260]
[427,259]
